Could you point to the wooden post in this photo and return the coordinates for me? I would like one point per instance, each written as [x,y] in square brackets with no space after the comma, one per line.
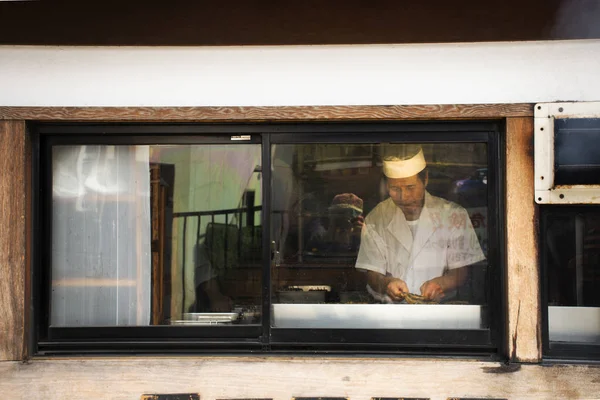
[524,316]
[15,170]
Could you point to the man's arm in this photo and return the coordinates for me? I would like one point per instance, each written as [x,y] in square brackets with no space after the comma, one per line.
[393,287]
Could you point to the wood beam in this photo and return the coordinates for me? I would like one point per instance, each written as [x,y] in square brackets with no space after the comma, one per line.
[283,378]
[524,317]
[143,23]
[262,114]
[14,250]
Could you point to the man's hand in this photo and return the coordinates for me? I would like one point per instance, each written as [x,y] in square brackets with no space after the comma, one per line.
[396,289]
[432,290]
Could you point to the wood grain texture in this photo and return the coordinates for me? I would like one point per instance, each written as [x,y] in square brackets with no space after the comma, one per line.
[523,283]
[281,378]
[524,317]
[13,243]
[262,114]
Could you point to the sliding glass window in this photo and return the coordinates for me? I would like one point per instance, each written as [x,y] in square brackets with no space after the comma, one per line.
[386,241]
[269,237]
[571,265]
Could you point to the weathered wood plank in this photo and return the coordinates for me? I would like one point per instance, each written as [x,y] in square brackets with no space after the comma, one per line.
[524,317]
[13,244]
[257,114]
[283,378]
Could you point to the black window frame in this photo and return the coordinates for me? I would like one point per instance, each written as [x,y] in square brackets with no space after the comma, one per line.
[560,351]
[484,343]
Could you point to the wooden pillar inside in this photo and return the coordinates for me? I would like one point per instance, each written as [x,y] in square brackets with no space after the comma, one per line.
[14,182]
[524,333]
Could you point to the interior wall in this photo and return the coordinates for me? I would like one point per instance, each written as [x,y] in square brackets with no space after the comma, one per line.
[469,73]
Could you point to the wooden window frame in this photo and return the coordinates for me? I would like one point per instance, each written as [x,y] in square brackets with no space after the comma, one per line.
[523,302]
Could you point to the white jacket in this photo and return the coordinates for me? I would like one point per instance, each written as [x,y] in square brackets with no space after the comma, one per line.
[444,240]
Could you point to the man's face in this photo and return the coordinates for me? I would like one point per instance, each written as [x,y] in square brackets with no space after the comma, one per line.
[408,194]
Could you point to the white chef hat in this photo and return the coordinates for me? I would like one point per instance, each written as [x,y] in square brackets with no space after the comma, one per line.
[395,167]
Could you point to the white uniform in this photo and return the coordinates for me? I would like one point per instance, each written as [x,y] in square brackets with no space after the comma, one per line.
[444,240]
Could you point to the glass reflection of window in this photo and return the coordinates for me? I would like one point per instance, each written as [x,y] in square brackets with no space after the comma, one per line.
[156,234]
[216,233]
[572,254]
[329,189]
[100,212]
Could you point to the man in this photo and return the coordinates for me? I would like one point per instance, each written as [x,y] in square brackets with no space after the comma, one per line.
[414,242]
[342,235]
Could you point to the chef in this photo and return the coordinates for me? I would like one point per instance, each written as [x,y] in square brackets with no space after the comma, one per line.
[414,242]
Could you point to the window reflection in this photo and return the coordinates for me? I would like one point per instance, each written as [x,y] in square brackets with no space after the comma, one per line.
[100,212]
[152,235]
[216,263]
[381,224]
[572,254]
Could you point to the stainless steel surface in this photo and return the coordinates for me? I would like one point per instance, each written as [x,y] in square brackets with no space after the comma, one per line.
[574,324]
[188,322]
[377,316]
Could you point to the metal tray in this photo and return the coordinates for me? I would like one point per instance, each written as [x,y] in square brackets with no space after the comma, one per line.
[309,288]
[207,318]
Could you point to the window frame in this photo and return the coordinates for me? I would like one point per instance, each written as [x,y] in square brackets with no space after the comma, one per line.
[483,342]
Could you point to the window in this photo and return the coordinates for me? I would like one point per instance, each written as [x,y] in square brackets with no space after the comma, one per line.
[566,157]
[361,237]
[571,259]
[566,170]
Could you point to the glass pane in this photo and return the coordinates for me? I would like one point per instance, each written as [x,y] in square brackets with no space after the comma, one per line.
[156,235]
[576,151]
[380,236]
[572,254]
